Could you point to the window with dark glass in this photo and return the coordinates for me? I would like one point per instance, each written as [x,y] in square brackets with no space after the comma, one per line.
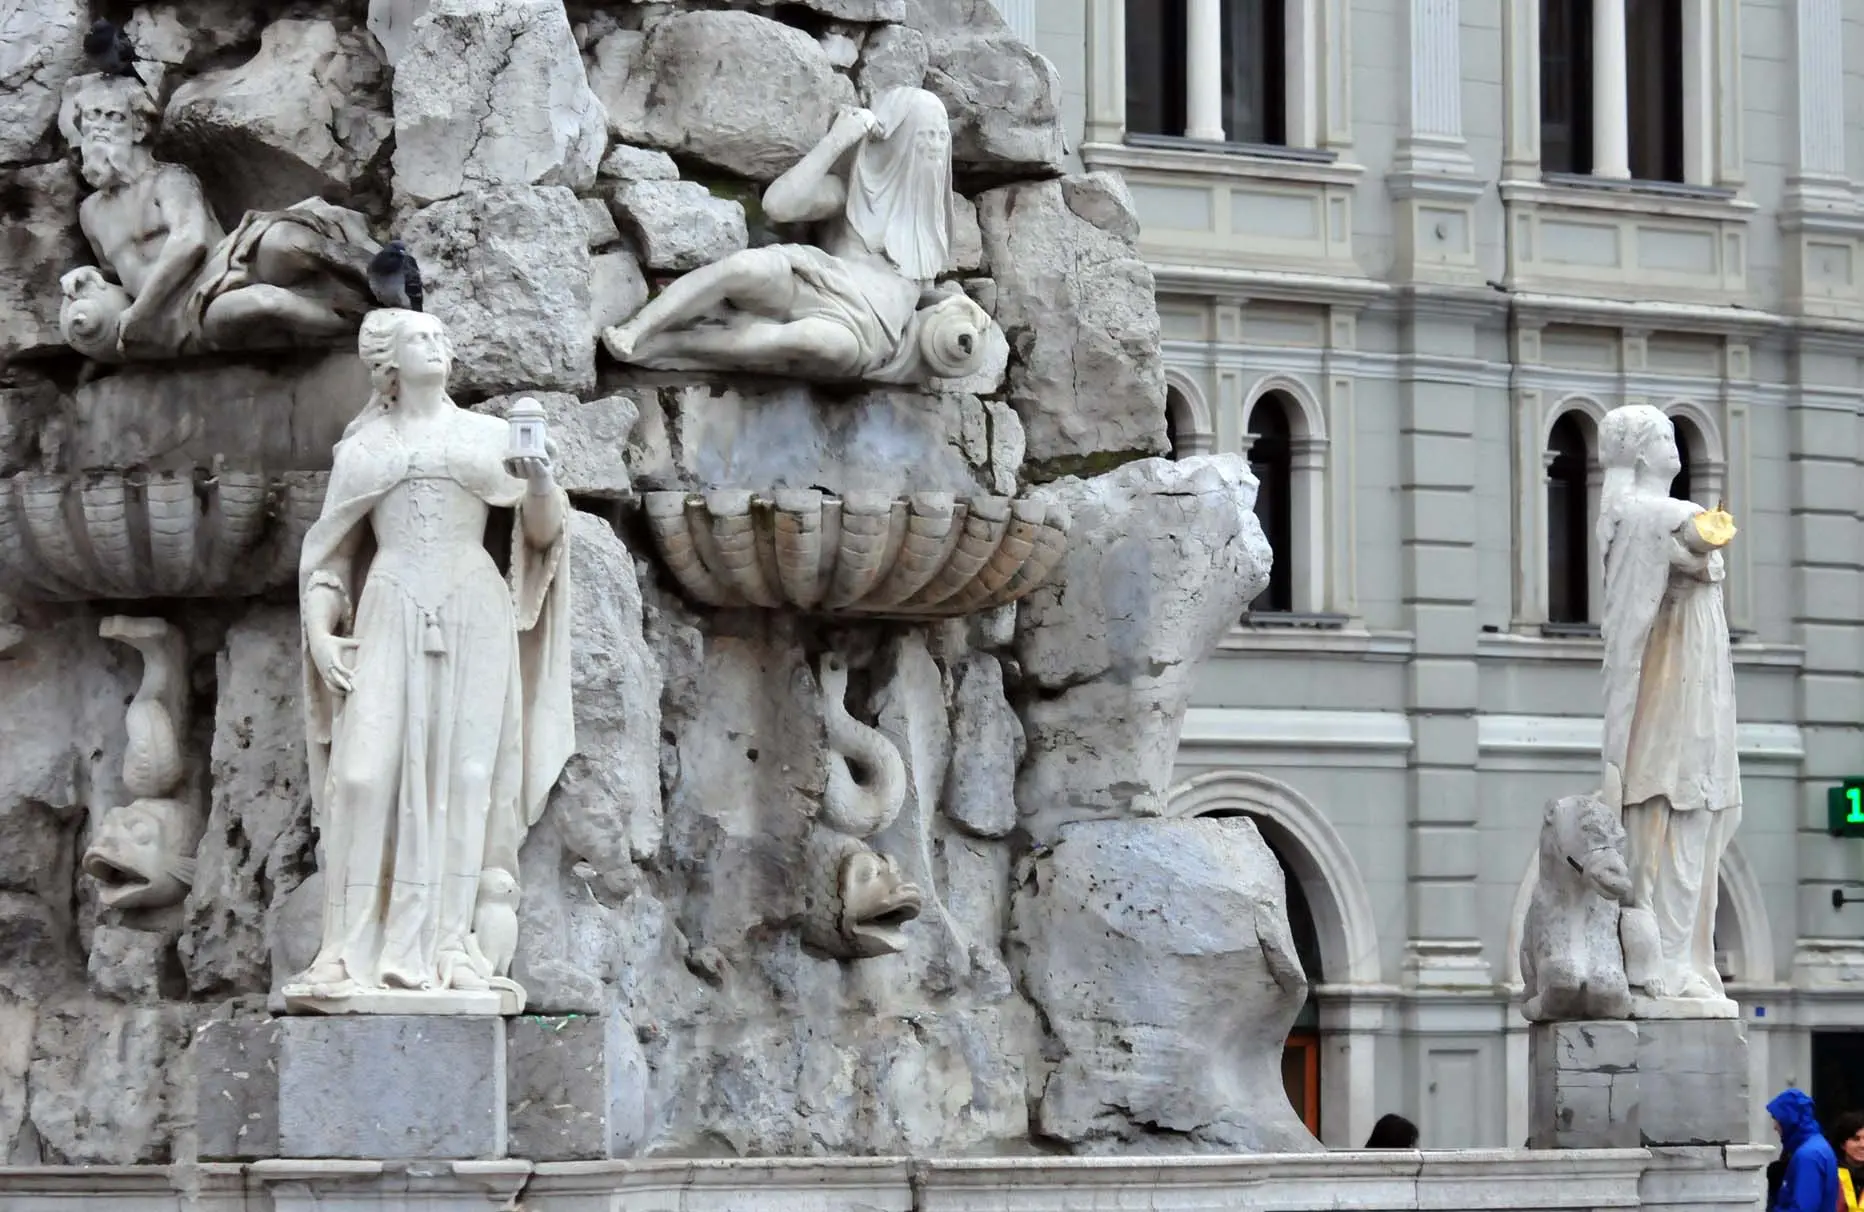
[1566,86]
[1654,78]
[1255,71]
[1271,458]
[1567,569]
[1155,67]
[1681,488]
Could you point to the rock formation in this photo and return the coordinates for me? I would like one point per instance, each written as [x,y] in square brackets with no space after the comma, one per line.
[878,641]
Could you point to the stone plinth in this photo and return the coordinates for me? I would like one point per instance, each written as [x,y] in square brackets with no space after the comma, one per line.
[1584,1092]
[1632,1083]
[356,1087]
[578,1088]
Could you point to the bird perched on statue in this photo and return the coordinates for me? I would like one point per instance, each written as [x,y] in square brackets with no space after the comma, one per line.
[395,278]
[109,50]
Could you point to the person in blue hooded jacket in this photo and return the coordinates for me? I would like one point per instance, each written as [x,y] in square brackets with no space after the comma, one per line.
[1810,1183]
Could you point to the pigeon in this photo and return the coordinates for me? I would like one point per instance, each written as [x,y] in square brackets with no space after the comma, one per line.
[109,50]
[394,278]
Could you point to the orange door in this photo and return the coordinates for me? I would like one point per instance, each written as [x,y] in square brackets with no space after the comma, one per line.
[1300,1067]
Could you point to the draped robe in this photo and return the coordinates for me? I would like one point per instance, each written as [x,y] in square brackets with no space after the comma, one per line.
[458,722]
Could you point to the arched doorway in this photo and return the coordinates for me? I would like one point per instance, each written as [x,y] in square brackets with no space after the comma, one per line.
[1301,1054]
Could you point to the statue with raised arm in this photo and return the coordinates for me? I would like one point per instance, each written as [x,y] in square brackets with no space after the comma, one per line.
[436,688]
[862,305]
[168,280]
[1670,762]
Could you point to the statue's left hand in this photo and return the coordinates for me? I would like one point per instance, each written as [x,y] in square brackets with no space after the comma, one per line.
[536,472]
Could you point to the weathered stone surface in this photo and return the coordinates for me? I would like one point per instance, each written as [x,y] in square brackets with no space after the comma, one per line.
[1572,964]
[605,812]
[1583,1088]
[1160,956]
[381,1086]
[589,440]
[678,225]
[507,270]
[491,93]
[1004,100]
[283,414]
[625,162]
[849,10]
[895,56]
[1007,446]
[1162,557]
[17,1020]
[391,23]
[257,846]
[987,746]
[967,241]
[306,117]
[167,37]
[884,441]
[732,89]
[1077,305]
[41,46]
[105,1082]
[38,243]
[578,1088]
[1693,1081]
[602,229]
[132,965]
[31,429]
[617,289]
[235,1065]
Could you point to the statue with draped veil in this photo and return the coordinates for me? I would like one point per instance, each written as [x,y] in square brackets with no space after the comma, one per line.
[1670,762]
[436,689]
[865,305]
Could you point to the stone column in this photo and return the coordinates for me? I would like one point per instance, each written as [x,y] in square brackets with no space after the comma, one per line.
[1106,71]
[1819,31]
[1203,102]
[1611,137]
[1308,472]
[1821,220]
[1020,16]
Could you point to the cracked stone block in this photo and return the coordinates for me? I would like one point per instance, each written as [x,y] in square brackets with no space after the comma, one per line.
[1694,1074]
[1584,1088]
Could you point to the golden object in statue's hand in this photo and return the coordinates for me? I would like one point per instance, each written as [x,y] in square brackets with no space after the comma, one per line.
[1715,527]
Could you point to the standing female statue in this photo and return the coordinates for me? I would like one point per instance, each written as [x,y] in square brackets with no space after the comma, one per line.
[437,690]
[865,304]
[1670,761]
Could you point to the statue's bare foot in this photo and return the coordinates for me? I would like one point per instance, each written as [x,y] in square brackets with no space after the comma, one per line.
[620,341]
[1696,986]
[1657,986]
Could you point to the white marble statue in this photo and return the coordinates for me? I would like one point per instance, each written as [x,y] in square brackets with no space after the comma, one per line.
[863,306]
[437,689]
[169,281]
[1669,758]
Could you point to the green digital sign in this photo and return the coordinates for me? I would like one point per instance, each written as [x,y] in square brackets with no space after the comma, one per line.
[1844,808]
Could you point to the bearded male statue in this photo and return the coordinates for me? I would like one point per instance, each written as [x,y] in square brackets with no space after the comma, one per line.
[181,284]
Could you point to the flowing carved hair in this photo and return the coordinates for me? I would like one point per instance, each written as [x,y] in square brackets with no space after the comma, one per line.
[378,343]
[84,92]
[1626,437]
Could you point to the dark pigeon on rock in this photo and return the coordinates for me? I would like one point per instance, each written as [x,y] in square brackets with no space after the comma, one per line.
[109,51]
[395,278]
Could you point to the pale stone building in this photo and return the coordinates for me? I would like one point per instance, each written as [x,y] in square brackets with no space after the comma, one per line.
[1407,254]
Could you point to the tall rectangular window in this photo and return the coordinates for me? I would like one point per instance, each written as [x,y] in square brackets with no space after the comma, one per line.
[1566,86]
[1255,71]
[1155,67]
[1654,81]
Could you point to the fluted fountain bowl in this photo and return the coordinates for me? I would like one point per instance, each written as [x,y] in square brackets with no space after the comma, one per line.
[155,534]
[928,555]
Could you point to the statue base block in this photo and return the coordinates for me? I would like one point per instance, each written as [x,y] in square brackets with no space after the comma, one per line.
[1626,1084]
[352,1087]
[381,1087]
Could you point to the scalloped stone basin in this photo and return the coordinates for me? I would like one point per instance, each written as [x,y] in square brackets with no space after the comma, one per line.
[924,556]
[117,535]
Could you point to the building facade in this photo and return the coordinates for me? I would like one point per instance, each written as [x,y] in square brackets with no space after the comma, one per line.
[1408,253]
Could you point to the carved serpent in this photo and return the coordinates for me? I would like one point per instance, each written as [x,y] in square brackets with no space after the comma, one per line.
[863,806]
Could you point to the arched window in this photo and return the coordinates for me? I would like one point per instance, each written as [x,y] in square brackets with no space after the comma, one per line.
[1569,571]
[1301,1053]
[1271,458]
[1688,442]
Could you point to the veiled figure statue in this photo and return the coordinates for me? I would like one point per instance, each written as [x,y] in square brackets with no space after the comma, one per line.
[1670,762]
[864,305]
[181,285]
[437,689]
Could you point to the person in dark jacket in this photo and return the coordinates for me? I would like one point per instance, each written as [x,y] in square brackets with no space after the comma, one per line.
[1393,1132]
[1811,1180]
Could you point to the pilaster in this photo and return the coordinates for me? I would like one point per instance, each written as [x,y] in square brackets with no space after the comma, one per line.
[1434,183]
[1821,219]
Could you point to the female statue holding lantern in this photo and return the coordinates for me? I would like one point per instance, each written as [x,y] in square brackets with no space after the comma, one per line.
[437,693]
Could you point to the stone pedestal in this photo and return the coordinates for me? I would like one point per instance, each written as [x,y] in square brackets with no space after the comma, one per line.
[1631,1083]
[431,1087]
[1584,1091]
